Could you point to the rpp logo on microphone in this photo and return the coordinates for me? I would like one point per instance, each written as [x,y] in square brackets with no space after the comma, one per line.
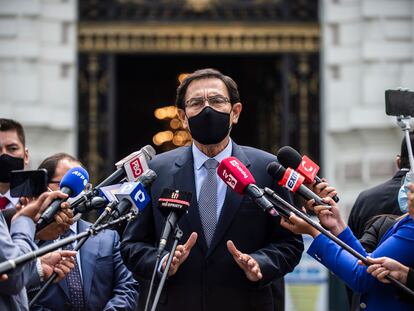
[136,167]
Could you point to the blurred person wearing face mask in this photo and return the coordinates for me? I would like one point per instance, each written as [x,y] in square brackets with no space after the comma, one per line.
[19,241]
[105,282]
[383,266]
[396,243]
[13,156]
[383,198]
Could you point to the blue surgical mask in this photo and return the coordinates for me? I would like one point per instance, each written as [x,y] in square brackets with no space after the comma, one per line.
[402,193]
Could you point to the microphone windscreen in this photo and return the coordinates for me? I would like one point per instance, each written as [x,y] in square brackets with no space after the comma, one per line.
[233,172]
[149,152]
[147,178]
[75,179]
[289,157]
[276,170]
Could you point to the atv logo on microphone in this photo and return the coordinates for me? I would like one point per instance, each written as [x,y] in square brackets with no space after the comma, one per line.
[136,167]
[237,165]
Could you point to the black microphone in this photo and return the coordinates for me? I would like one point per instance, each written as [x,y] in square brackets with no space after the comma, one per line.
[72,183]
[289,157]
[130,167]
[133,195]
[93,203]
[176,203]
[293,181]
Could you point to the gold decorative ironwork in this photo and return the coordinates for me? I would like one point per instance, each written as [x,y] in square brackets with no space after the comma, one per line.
[193,38]
[93,158]
[199,5]
[304,69]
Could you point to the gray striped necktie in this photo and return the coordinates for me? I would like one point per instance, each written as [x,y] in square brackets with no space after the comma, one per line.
[207,201]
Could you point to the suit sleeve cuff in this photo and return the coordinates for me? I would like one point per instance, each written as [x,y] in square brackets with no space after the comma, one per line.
[23,225]
[264,270]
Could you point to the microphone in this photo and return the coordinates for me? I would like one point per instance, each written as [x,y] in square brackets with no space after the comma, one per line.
[238,177]
[133,195]
[293,181]
[175,202]
[132,166]
[135,164]
[72,183]
[90,204]
[289,157]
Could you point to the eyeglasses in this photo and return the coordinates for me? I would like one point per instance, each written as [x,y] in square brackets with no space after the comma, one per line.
[217,102]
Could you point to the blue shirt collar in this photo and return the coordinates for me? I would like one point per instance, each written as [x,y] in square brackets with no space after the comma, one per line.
[200,158]
[74,228]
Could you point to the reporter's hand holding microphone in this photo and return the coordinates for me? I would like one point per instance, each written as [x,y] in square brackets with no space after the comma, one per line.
[60,262]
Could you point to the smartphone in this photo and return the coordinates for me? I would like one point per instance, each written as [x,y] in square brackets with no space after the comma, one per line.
[399,103]
[28,183]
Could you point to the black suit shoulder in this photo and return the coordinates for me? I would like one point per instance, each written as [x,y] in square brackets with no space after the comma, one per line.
[380,199]
[257,156]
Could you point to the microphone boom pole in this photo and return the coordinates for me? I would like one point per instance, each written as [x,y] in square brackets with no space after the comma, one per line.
[177,236]
[277,200]
[11,264]
[132,214]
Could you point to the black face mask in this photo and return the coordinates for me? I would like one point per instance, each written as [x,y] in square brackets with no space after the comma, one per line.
[8,164]
[209,126]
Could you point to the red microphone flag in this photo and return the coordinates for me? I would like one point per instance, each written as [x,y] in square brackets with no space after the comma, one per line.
[308,169]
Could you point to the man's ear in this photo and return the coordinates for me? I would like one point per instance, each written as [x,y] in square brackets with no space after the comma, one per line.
[236,109]
[26,158]
[398,161]
[182,117]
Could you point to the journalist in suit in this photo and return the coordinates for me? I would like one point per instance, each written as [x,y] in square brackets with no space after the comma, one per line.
[107,283]
[243,263]
[381,199]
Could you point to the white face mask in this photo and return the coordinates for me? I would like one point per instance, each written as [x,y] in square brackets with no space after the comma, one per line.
[402,193]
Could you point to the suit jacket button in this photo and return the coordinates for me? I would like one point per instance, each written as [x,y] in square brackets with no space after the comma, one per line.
[363,305]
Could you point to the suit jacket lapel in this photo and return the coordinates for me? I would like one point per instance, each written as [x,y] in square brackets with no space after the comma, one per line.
[88,254]
[184,180]
[231,204]
[62,284]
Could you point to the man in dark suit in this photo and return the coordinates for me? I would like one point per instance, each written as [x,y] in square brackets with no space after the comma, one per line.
[234,254]
[15,156]
[103,281]
[381,199]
